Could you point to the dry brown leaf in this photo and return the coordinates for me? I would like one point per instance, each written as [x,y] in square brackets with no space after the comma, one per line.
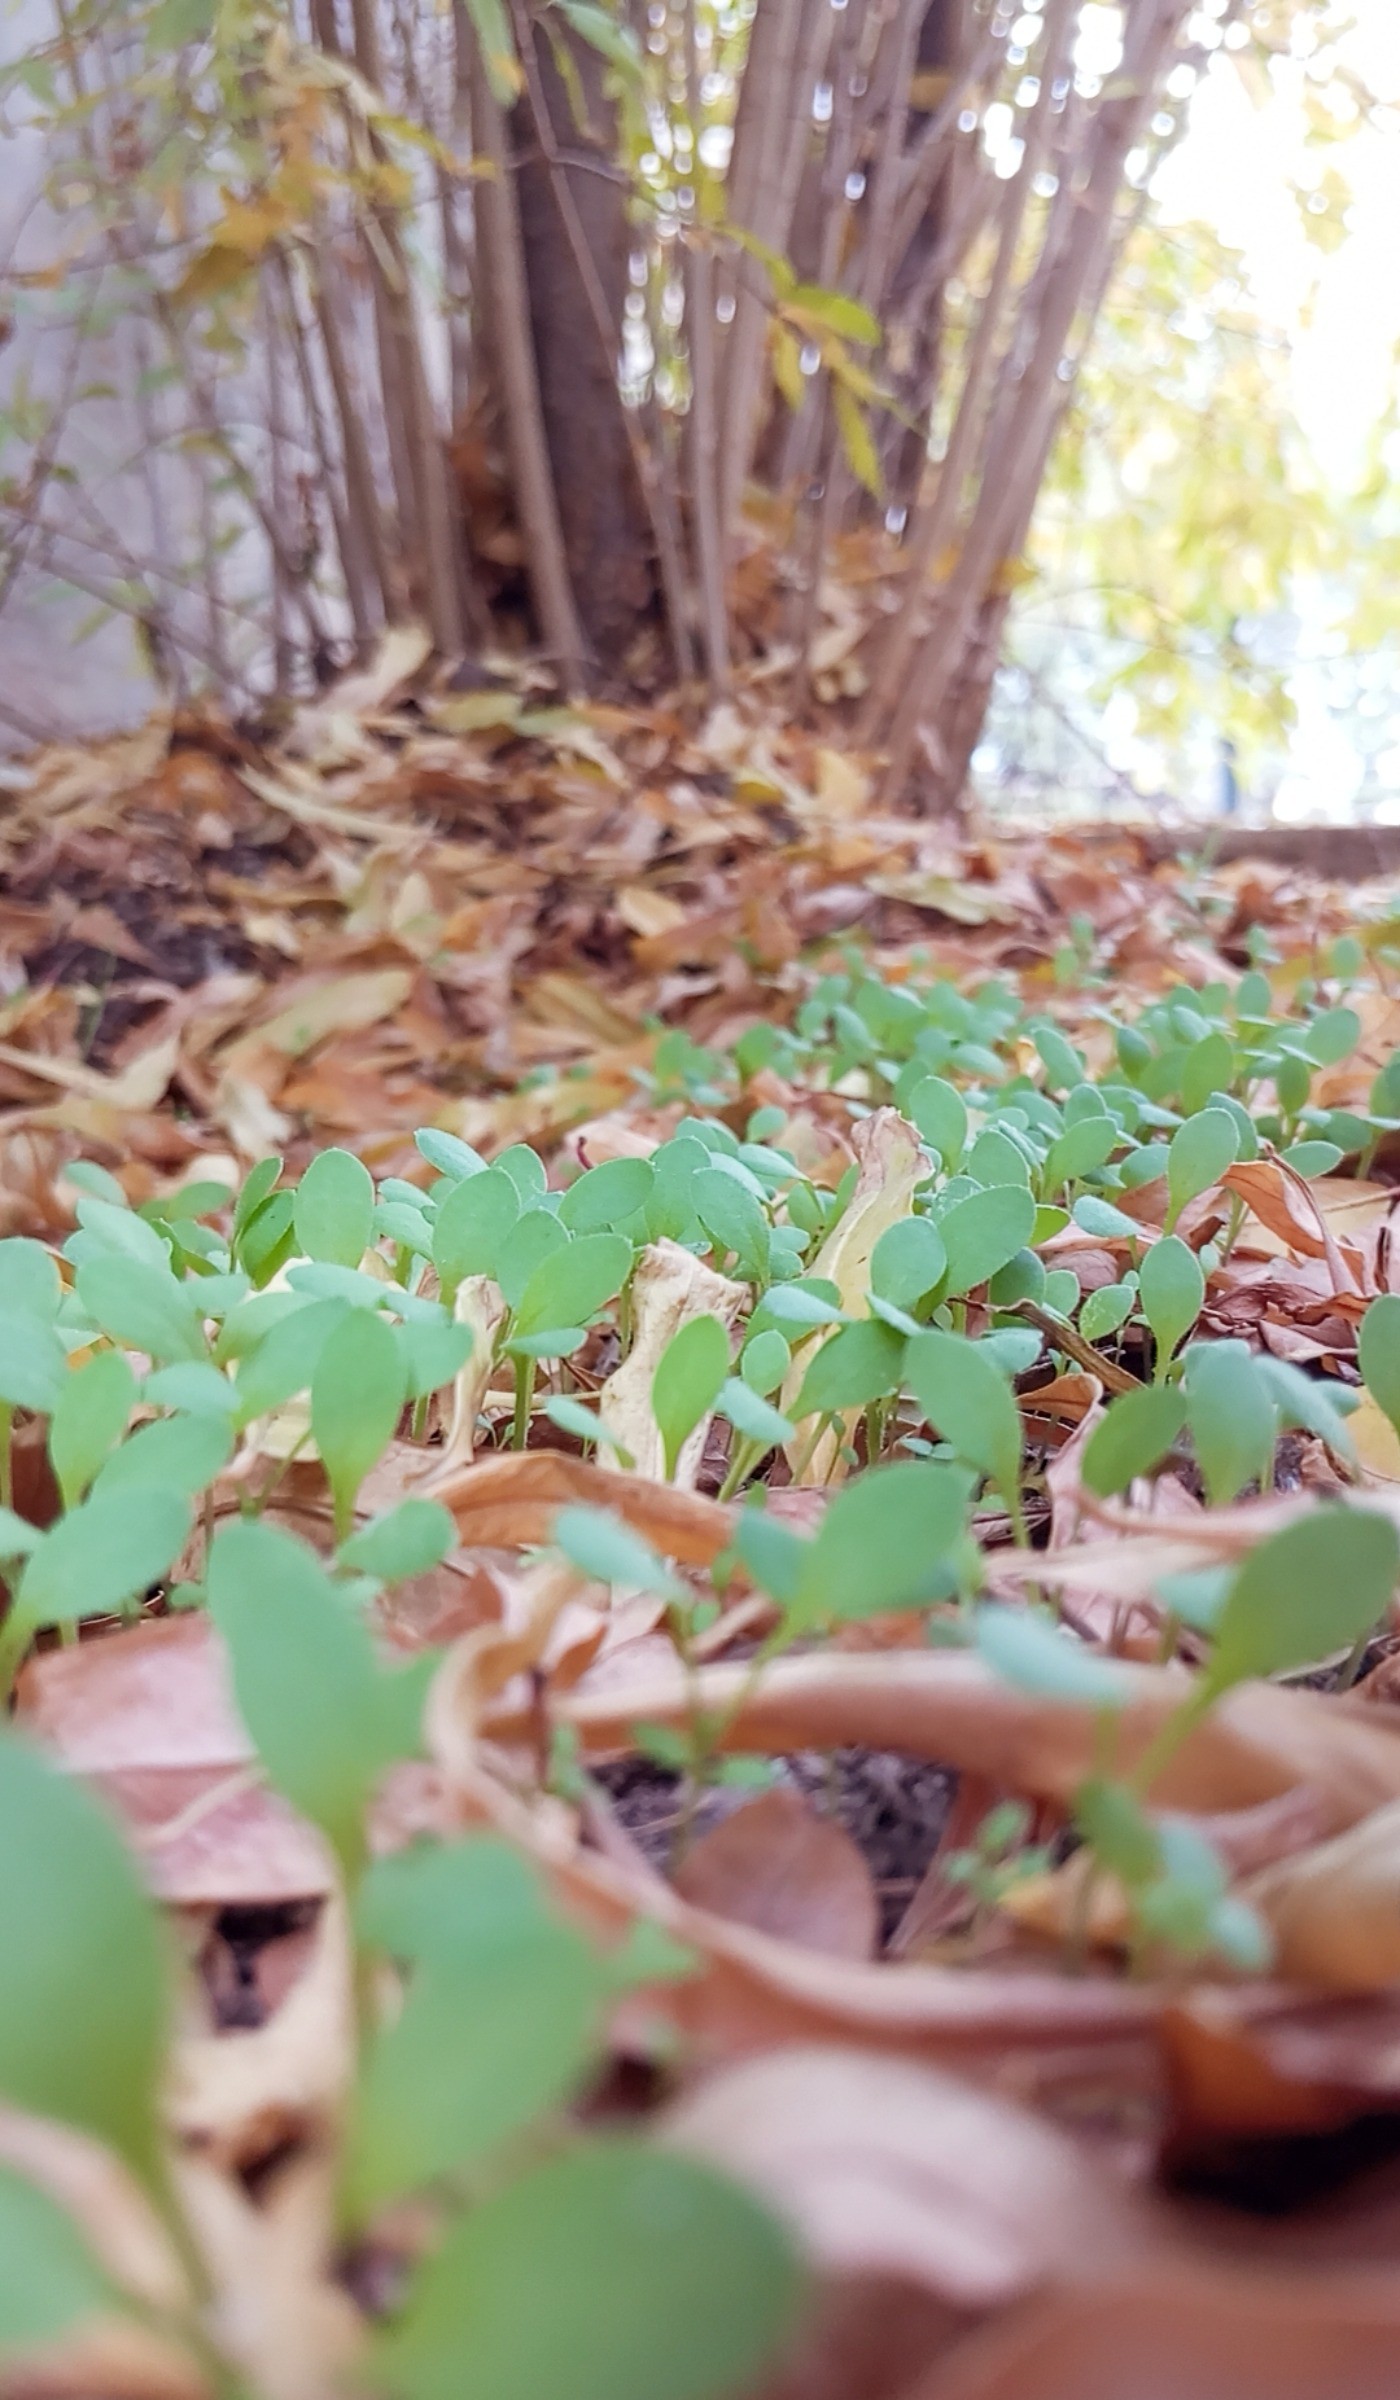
[146,1715]
[776,1865]
[1334,1911]
[1184,2330]
[510,1501]
[892,1163]
[670,1288]
[898,2171]
[1260,1741]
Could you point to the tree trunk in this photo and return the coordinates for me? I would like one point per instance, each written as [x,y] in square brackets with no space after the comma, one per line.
[606,536]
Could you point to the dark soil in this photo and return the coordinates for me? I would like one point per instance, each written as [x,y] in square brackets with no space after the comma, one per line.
[894,1808]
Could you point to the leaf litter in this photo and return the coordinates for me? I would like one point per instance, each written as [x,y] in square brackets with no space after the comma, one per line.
[979,2035]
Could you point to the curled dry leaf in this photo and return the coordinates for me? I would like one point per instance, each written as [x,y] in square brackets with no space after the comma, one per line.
[751,1988]
[1284,1201]
[891,1165]
[511,1501]
[901,2172]
[776,1865]
[1246,2061]
[1335,1910]
[1260,1741]
[670,1287]
[480,1304]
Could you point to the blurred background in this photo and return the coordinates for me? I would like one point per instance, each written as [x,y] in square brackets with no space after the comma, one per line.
[262,346]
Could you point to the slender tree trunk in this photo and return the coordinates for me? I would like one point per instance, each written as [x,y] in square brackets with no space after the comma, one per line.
[607,540]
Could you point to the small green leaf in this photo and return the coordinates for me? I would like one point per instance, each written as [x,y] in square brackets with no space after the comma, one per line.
[970,1403]
[33,1362]
[142,1307]
[407,1540]
[1378,1354]
[1106,1309]
[660,2281]
[472,1225]
[1312,1405]
[323,1717]
[1034,1657]
[174,1454]
[258,1186]
[357,1392]
[100,1556]
[733,1219]
[607,1195]
[1314,1588]
[1172,1291]
[765,1361]
[29,1279]
[84,1996]
[939,1112]
[538,1235]
[983,1232]
[49,2281]
[601,1545]
[1197,1156]
[752,1416]
[689,1376]
[450,1155]
[499,2023]
[1079,1150]
[573,1283]
[89,1419]
[1132,1437]
[1233,1419]
[192,1385]
[286,1358]
[1119,1832]
[333,1209]
[908,1262]
[572,1416]
[885,1542]
[855,1365]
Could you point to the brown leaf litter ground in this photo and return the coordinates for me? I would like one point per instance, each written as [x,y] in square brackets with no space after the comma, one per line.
[495,917]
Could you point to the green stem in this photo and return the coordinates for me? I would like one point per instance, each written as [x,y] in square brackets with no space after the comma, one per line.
[16,1634]
[524,1395]
[7,1464]
[1169,1739]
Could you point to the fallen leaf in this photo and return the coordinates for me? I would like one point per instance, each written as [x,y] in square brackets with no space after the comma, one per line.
[776,1865]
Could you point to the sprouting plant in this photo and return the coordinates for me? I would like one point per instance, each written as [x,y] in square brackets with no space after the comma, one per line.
[461,2084]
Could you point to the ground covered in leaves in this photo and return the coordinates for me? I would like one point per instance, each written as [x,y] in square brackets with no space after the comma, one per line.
[850,1428]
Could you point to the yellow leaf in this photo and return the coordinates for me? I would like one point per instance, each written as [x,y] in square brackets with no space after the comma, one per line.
[861,456]
[1377,1442]
[787,367]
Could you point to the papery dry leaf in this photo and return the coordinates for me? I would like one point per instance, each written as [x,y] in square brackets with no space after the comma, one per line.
[892,1164]
[480,1304]
[1334,1911]
[1245,2061]
[510,1501]
[1284,1201]
[899,2171]
[1259,1741]
[776,1865]
[238,2097]
[146,1715]
[284,2318]
[670,1288]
